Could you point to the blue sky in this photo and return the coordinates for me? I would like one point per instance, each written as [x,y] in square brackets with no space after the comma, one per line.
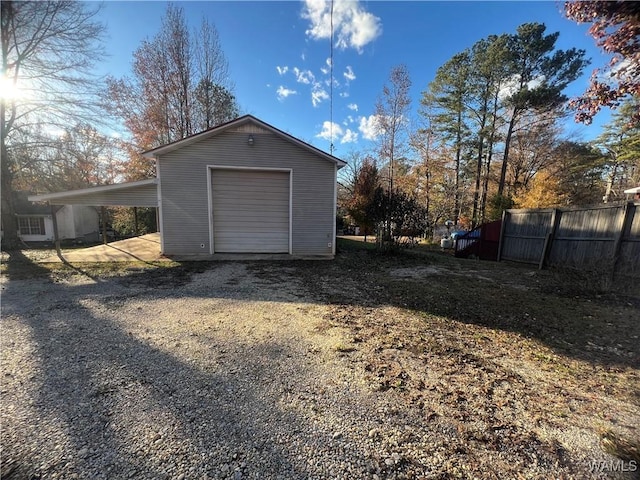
[278,52]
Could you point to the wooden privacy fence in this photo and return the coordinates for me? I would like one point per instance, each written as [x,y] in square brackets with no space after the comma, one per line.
[600,237]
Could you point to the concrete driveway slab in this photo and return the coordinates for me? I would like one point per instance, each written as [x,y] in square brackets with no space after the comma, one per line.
[145,248]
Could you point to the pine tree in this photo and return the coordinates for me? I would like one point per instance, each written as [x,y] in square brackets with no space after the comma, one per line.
[447,96]
[539,74]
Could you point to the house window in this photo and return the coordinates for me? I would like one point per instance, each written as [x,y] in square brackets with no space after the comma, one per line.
[31,225]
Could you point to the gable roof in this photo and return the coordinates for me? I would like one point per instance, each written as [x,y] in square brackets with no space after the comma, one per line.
[170,147]
[23,206]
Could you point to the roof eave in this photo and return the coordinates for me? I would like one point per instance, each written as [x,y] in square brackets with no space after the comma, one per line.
[85,191]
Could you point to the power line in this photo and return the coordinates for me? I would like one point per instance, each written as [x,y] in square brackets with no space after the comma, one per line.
[331,86]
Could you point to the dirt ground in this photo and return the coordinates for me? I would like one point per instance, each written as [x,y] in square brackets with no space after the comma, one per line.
[491,370]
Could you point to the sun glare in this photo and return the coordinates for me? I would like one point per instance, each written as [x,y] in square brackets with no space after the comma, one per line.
[9,90]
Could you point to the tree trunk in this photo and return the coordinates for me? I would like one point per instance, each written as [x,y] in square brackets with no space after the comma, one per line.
[492,136]
[507,144]
[10,240]
[476,191]
[610,182]
[485,184]
[456,206]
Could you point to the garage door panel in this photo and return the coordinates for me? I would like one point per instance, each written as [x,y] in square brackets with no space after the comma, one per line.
[270,207]
[263,216]
[255,227]
[243,243]
[250,211]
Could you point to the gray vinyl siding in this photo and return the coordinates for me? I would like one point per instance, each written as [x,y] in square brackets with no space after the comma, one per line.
[136,196]
[184,186]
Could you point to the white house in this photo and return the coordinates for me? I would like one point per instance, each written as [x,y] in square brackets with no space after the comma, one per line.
[35,222]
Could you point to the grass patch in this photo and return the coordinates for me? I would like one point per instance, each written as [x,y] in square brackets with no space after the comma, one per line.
[621,447]
[349,245]
[344,348]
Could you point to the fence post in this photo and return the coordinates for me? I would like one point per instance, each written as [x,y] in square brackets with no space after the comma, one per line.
[502,229]
[617,243]
[548,240]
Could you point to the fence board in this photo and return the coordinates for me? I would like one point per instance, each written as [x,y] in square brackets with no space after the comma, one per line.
[591,237]
[524,233]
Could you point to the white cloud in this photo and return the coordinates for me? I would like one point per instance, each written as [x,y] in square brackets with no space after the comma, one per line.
[349,137]
[282,70]
[303,57]
[353,106]
[513,84]
[369,127]
[350,119]
[303,76]
[327,68]
[349,75]
[344,94]
[318,94]
[327,82]
[353,26]
[284,92]
[330,131]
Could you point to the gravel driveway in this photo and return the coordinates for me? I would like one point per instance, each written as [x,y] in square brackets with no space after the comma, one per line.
[224,377]
[244,371]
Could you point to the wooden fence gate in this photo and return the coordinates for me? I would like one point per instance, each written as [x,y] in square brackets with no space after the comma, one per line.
[600,237]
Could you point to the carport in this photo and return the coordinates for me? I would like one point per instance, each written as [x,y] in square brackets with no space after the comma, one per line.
[143,193]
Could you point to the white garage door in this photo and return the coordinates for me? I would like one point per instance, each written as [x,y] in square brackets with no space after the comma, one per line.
[250,211]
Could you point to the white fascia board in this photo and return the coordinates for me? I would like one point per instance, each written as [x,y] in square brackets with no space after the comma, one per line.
[154,153]
[84,191]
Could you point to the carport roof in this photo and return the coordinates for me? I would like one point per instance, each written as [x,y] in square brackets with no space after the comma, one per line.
[60,197]
[153,153]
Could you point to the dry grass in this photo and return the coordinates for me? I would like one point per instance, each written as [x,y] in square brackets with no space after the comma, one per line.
[519,360]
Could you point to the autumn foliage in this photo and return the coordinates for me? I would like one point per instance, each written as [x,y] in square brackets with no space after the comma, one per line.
[616,29]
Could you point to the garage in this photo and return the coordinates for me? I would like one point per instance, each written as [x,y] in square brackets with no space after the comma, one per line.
[242,187]
[250,210]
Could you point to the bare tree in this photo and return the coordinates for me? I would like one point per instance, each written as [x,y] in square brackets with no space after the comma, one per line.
[392,114]
[392,111]
[214,100]
[78,158]
[48,53]
[180,86]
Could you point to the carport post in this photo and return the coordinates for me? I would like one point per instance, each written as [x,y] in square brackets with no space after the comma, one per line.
[135,221]
[56,237]
[103,215]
